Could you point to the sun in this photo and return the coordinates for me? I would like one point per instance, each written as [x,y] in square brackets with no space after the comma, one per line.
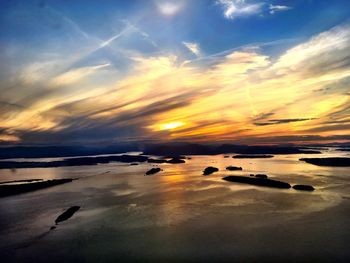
[171,125]
[169,7]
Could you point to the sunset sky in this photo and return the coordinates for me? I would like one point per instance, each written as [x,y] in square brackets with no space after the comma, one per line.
[253,71]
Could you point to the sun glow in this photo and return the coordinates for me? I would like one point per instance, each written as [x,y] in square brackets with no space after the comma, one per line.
[171,125]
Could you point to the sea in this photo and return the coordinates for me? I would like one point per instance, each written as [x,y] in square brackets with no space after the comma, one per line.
[180,215]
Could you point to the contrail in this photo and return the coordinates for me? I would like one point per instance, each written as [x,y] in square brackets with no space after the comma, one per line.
[109,41]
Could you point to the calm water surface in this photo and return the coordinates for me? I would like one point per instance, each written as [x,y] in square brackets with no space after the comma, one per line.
[179,214]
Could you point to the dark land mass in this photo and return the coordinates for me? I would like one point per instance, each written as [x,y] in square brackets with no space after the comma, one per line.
[210,170]
[303,187]
[330,161]
[67,214]
[257,181]
[251,156]
[344,149]
[176,160]
[132,159]
[201,149]
[60,151]
[234,168]
[173,160]
[22,181]
[264,176]
[6,190]
[74,161]
[153,171]
[171,150]
[150,160]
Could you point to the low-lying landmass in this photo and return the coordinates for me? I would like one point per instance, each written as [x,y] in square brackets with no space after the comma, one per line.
[210,170]
[67,214]
[172,160]
[171,150]
[344,149]
[21,181]
[13,189]
[251,156]
[257,181]
[74,161]
[234,168]
[79,161]
[262,180]
[264,176]
[303,187]
[204,149]
[329,161]
[153,171]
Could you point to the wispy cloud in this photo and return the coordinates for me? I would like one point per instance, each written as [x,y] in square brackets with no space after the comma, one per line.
[236,8]
[240,8]
[281,121]
[193,47]
[278,8]
[75,75]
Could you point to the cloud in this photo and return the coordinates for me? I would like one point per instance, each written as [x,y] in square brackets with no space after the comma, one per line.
[278,8]
[236,8]
[281,121]
[75,75]
[328,51]
[227,96]
[193,47]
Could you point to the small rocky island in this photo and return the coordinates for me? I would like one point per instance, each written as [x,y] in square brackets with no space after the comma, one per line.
[303,187]
[257,181]
[67,214]
[210,170]
[329,161]
[153,171]
[233,168]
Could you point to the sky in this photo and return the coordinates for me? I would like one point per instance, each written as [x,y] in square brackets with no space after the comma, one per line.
[112,71]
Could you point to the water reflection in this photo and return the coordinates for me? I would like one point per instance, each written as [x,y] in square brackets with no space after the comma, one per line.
[122,207]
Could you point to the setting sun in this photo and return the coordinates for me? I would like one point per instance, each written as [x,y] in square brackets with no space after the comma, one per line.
[171,125]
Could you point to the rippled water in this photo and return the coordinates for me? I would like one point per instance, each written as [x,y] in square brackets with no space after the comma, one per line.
[179,214]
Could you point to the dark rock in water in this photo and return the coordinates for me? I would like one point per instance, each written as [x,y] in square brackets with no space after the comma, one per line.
[13,189]
[264,176]
[67,214]
[329,161]
[251,175]
[176,160]
[233,168]
[257,181]
[226,156]
[134,164]
[153,171]
[156,160]
[210,170]
[303,187]
[250,156]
